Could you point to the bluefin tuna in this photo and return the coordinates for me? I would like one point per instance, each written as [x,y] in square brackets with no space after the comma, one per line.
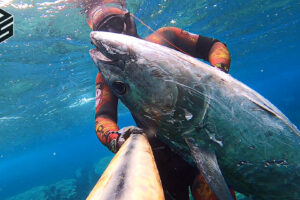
[232,133]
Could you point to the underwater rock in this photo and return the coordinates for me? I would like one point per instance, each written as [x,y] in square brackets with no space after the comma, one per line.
[67,189]
[63,190]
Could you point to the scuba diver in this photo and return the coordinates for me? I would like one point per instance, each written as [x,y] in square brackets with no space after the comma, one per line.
[175,173]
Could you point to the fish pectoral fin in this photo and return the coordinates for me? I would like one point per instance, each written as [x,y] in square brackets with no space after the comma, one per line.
[206,162]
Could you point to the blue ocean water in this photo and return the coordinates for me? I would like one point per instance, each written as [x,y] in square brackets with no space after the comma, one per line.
[48,147]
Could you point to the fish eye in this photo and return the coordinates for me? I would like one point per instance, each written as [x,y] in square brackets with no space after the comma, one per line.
[119,87]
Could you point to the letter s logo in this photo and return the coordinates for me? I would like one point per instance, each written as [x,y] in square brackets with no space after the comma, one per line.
[6,25]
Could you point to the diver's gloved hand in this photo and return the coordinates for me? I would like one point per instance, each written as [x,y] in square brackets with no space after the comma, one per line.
[125,133]
[219,57]
[223,67]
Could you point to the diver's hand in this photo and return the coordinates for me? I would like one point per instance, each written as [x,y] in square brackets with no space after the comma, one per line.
[125,133]
[223,67]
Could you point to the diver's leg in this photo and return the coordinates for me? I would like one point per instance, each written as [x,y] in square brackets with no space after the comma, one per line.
[201,190]
[176,175]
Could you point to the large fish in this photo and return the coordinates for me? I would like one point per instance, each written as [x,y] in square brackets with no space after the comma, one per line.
[205,115]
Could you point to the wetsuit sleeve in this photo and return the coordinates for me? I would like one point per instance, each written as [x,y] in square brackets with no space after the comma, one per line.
[198,46]
[106,114]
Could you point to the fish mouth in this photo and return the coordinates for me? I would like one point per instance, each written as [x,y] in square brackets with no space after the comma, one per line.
[102,53]
[98,56]
[109,47]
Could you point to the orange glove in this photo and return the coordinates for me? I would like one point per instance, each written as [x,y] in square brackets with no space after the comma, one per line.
[219,56]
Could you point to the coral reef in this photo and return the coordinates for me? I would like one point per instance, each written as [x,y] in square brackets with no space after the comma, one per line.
[64,190]
[77,187]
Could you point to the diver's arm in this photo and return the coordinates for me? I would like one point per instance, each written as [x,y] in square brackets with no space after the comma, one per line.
[198,46]
[106,115]
[106,126]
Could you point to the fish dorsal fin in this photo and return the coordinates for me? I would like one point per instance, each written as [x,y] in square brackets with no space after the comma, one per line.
[207,163]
